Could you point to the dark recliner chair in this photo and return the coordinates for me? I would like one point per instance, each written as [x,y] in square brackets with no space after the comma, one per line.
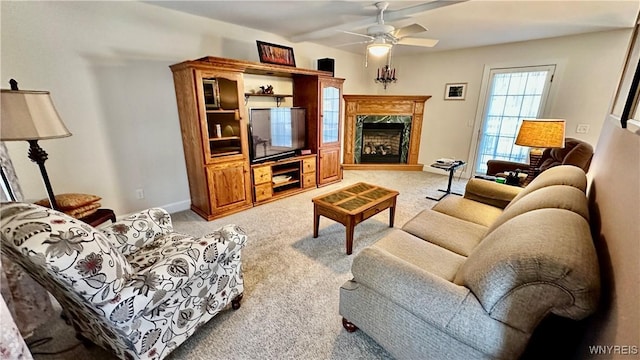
[575,152]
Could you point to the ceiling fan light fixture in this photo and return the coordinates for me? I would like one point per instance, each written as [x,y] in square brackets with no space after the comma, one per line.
[379,49]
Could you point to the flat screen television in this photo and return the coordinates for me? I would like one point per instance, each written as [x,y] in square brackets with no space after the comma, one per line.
[276,132]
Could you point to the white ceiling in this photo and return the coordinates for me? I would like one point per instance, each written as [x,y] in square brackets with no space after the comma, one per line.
[457,25]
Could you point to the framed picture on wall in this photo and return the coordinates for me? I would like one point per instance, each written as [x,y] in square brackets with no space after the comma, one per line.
[275,54]
[455,91]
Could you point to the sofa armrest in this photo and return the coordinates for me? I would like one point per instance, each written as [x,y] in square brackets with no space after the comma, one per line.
[538,262]
[501,166]
[490,192]
[136,231]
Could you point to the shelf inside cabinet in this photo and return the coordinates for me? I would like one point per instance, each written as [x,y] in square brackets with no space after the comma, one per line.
[225,138]
[220,152]
[285,183]
[220,111]
[278,97]
[285,170]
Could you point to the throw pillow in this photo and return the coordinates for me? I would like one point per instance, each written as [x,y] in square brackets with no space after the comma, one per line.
[83,211]
[70,201]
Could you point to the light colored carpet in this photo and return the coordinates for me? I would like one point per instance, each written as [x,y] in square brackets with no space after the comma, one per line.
[292,281]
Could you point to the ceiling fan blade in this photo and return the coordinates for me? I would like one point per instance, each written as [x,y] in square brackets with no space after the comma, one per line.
[409,30]
[418,42]
[389,15]
[357,34]
[352,43]
[392,15]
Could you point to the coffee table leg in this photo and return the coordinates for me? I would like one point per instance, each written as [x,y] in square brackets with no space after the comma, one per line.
[392,212]
[316,221]
[349,228]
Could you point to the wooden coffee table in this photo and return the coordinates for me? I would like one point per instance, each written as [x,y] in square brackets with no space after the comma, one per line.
[352,205]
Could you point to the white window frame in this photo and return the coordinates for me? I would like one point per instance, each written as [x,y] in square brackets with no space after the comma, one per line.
[482,102]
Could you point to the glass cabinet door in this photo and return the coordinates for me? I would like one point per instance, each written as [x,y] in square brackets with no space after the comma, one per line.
[222,114]
[330,114]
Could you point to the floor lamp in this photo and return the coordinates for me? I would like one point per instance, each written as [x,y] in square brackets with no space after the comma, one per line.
[539,134]
[30,115]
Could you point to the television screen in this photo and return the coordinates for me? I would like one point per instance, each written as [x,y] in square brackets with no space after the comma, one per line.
[276,132]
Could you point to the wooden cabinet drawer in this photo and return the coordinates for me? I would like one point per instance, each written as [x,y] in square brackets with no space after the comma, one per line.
[262,175]
[309,165]
[376,209]
[309,180]
[263,191]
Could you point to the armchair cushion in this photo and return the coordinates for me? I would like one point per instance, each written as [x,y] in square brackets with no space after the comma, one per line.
[73,253]
[575,152]
[137,231]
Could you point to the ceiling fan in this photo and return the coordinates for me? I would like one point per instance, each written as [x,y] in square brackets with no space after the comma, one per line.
[382,37]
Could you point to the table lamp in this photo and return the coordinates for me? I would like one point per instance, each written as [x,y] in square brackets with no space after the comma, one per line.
[30,115]
[539,134]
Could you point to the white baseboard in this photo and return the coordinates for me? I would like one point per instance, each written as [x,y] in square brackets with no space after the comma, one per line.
[177,206]
[171,208]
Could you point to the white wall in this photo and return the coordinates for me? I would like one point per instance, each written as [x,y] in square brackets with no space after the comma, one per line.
[586,76]
[107,67]
[614,199]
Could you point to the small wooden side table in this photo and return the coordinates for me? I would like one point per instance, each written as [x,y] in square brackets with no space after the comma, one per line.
[99,217]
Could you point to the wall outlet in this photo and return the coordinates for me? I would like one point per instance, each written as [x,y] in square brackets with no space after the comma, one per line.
[140,194]
[582,129]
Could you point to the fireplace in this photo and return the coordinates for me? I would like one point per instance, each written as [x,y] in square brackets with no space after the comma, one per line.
[390,125]
[381,143]
[382,139]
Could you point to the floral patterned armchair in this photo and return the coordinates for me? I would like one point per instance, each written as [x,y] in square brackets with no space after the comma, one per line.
[135,287]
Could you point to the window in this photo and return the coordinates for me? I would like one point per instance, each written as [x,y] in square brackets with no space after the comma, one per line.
[513,94]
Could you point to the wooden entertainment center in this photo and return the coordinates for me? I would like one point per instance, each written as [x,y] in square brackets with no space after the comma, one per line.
[212,107]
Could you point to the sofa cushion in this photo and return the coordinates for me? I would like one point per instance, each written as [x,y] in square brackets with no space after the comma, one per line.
[425,255]
[469,210]
[422,292]
[548,253]
[556,196]
[490,192]
[446,231]
[559,175]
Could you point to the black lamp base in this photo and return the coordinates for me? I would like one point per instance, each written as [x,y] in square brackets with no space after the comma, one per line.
[39,156]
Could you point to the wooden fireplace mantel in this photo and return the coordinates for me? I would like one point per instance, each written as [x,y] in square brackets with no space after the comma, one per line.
[412,105]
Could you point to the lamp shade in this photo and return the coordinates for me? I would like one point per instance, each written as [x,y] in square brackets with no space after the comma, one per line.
[29,115]
[541,133]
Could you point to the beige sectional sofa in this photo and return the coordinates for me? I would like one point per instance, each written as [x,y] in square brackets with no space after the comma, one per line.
[472,277]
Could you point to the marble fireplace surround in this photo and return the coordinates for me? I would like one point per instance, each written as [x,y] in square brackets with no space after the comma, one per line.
[407,109]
